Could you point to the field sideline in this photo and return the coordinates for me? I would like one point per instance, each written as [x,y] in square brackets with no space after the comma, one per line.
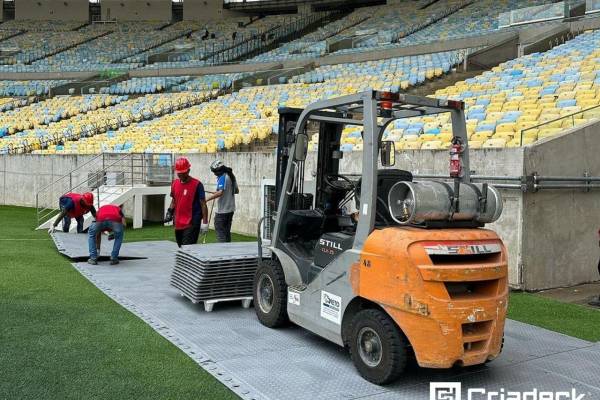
[61,338]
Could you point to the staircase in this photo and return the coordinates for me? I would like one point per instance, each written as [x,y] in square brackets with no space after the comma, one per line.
[113,178]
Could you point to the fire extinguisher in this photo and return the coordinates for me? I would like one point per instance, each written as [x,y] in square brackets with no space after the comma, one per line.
[455,163]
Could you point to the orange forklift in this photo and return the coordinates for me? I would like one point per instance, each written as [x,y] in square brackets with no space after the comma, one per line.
[414,273]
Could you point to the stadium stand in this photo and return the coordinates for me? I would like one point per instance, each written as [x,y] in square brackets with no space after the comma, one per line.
[478,18]
[144,85]
[51,110]
[108,50]
[115,112]
[313,44]
[178,112]
[516,97]
[251,114]
[29,88]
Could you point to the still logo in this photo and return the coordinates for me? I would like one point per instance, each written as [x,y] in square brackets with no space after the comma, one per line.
[445,391]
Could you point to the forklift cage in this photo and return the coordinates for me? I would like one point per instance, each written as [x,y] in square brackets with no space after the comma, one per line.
[371,104]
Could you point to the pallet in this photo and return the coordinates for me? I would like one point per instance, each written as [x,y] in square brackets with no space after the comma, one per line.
[208,304]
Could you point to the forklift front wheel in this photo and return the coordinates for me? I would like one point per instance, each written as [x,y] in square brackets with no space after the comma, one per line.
[270,294]
[377,347]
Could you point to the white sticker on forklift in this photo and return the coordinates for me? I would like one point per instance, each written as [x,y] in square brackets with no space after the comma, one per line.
[331,307]
[294,298]
[365,209]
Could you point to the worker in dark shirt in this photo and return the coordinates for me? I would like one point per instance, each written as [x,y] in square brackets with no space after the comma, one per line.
[74,205]
[188,205]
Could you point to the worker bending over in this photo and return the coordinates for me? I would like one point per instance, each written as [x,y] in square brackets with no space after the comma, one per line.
[109,218]
[226,190]
[74,205]
[188,205]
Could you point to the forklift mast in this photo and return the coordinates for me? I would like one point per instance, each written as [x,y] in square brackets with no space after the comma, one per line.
[329,154]
[288,117]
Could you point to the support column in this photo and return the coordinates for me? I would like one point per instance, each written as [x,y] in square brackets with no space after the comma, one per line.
[138,211]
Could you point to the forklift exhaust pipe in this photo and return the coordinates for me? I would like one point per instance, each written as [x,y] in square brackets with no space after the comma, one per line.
[413,203]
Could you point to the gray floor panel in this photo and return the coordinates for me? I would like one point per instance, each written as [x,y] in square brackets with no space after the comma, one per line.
[291,363]
[76,246]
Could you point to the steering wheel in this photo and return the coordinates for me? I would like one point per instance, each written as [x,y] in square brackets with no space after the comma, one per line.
[338,182]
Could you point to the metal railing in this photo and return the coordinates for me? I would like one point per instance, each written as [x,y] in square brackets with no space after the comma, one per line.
[531,183]
[105,175]
[261,41]
[564,117]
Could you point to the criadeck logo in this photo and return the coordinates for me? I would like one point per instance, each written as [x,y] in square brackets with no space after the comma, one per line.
[445,391]
[453,391]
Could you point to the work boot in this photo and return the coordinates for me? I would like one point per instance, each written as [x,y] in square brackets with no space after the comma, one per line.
[595,302]
[93,261]
[114,261]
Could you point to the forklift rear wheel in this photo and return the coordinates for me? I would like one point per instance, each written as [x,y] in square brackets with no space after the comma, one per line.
[270,294]
[377,347]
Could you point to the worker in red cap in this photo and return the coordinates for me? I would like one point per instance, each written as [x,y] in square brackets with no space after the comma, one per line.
[74,205]
[188,205]
[109,218]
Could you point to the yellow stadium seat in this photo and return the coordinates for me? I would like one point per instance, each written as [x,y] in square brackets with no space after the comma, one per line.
[548,132]
[506,127]
[493,143]
[481,136]
[412,145]
[516,142]
[432,145]
[475,144]
[508,135]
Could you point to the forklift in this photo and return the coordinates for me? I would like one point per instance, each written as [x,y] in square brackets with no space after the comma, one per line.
[415,274]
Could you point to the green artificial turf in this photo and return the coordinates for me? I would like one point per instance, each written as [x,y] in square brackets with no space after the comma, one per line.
[62,338]
[570,319]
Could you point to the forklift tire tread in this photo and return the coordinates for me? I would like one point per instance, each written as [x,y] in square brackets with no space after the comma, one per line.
[394,347]
[277,316]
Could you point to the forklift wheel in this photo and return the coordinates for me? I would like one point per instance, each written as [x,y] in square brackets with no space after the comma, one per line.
[378,348]
[270,294]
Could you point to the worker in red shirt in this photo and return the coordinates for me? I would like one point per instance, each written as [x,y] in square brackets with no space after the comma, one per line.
[188,205]
[109,218]
[74,205]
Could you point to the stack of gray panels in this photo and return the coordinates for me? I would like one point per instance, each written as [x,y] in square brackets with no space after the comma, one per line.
[215,271]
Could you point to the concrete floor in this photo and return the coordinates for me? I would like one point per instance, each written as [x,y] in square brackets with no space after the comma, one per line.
[581,294]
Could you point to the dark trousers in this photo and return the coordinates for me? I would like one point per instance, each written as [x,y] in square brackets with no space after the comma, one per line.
[188,235]
[67,224]
[223,227]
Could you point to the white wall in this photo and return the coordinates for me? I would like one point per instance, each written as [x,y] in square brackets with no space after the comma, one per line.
[136,10]
[62,10]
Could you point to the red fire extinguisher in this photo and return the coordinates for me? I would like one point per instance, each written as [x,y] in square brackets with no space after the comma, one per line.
[455,162]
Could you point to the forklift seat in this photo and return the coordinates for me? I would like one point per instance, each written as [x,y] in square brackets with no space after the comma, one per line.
[303,225]
[386,178]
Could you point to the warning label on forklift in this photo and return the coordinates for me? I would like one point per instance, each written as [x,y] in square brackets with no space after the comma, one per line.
[331,307]
[293,298]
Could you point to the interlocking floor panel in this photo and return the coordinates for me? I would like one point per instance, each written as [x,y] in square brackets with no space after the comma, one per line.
[219,271]
[75,246]
[291,363]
